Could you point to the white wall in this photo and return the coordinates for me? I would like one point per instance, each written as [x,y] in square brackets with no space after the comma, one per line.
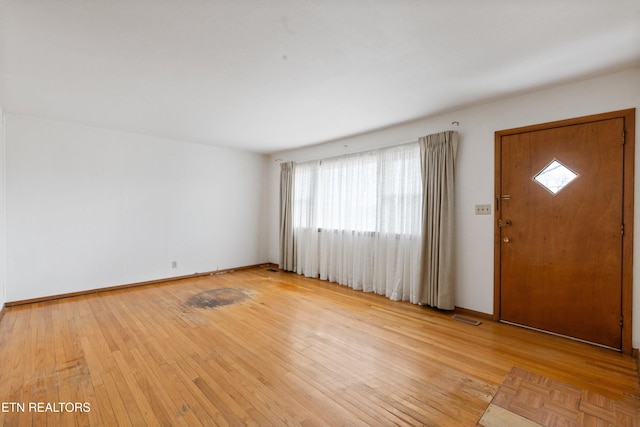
[90,208]
[3,234]
[475,168]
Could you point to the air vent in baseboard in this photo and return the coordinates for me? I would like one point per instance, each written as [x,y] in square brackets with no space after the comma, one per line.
[466,320]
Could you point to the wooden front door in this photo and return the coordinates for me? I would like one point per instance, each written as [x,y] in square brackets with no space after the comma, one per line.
[563,227]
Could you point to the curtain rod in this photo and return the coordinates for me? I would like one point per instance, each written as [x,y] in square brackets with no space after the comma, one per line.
[359,152]
[456,123]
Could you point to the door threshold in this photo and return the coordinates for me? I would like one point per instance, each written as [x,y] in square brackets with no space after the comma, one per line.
[619,350]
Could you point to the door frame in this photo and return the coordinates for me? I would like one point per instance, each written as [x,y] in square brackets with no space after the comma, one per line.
[628,117]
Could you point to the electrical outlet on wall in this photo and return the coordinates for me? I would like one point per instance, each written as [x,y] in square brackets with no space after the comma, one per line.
[174,264]
[483,209]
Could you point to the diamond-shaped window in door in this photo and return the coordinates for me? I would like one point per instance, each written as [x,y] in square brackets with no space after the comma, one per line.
[555,176]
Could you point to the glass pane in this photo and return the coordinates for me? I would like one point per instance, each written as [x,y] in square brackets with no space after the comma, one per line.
[555,176]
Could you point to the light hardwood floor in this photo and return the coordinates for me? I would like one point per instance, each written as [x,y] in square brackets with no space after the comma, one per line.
[297,351]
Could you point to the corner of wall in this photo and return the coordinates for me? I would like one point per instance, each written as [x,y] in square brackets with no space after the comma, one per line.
[3,258]
[265,203]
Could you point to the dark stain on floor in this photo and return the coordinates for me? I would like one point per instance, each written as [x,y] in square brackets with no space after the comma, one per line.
[219,297]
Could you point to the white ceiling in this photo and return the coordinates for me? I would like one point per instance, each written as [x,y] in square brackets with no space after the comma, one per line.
[267,75]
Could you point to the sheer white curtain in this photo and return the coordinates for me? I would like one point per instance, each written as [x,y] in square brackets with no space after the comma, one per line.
[357,220]
[305,225]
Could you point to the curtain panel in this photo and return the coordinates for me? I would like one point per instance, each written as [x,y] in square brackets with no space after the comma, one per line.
[287,251]
[438,153]
[357,220]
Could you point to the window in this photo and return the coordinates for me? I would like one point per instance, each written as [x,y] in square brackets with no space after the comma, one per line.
[359,220]
[378,191]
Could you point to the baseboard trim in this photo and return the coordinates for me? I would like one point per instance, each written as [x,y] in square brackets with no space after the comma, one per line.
[128,286]
[473,313]
[636,355]
[2,310]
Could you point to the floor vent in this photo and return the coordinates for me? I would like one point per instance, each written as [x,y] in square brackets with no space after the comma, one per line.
[273,270]
[466,320]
